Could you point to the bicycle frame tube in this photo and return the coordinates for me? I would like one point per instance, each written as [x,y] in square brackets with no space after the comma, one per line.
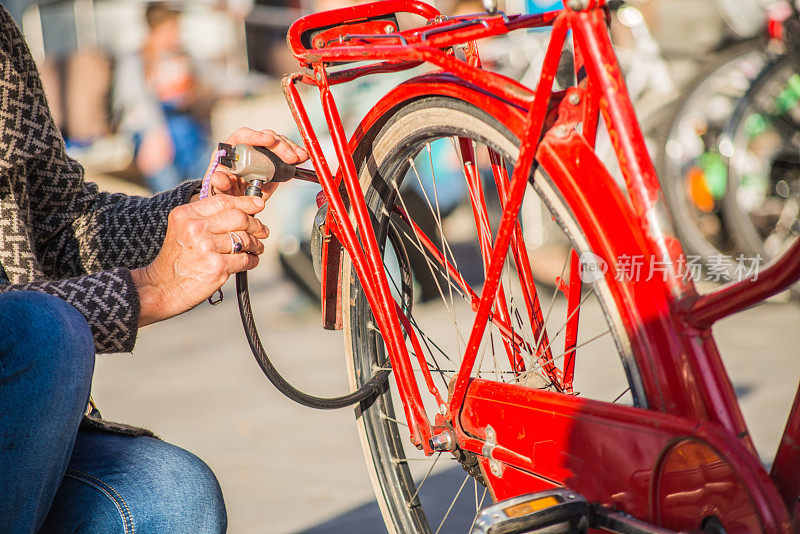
[591,39]
[737,296]
[533,307]
[785,470]
[519,180]
[377,292]
[481,217]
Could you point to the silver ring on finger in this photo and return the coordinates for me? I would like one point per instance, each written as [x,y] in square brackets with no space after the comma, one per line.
[236,243]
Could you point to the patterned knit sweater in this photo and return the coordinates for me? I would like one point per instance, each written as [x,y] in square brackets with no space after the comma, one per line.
[59,234]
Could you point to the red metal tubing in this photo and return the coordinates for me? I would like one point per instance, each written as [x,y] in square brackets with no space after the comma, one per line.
[591,37]
[517,22]
[420,354]
[384,305]
[418,422]
[481,216]
[383,67]
[336,205]
[591,114]
[448,32]
[496,84]
[428,245]
[786,467]
[573,314]
[352,13]
[301,118]
[522,261]
[519,180]
[499,453]
[737,296]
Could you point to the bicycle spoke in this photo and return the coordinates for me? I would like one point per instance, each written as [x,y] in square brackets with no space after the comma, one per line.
[494,359]
[440,229]
[433,273]
[416,369]
[480,361]
[445,246]
[478,509]
[425,339]
[621,394]
[594,338]
[418,329]
[439,219]
[536,348]
[783,123]
[441,270]
[406,460]
[452,504]
[552,303]
[436,212]
[507,274]
[468,157]
[515,314]
[523,327]
[424,479]
[392,419]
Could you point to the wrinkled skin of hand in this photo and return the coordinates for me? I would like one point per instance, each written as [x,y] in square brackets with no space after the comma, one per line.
[195,259]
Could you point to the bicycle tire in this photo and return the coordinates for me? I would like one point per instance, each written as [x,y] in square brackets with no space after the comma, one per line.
[764,157]
[381,158]
[702,230]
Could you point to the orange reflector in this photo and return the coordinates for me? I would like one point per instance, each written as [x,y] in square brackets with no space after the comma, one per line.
[699,192]
[529,507]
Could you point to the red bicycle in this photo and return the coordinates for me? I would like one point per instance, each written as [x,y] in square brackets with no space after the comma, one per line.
[577,385]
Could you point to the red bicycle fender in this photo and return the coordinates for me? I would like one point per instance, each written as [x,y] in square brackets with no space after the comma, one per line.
[441,84]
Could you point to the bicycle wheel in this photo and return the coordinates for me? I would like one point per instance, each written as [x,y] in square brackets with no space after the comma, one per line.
[419,494]
[762,204]
[692,172]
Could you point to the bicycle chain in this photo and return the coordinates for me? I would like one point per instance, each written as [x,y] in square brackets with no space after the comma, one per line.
[469,462]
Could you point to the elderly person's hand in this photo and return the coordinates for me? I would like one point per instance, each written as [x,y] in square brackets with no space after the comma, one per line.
[209,240]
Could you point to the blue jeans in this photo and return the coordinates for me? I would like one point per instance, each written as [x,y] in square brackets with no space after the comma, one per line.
[57,478]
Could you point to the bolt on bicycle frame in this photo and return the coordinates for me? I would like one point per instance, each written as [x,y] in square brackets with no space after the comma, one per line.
[689,394]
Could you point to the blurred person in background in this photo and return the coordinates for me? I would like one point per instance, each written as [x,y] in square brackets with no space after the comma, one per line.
[157,93]
[80,272]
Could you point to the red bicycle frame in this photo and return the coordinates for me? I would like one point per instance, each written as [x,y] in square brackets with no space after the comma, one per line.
[692,437]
